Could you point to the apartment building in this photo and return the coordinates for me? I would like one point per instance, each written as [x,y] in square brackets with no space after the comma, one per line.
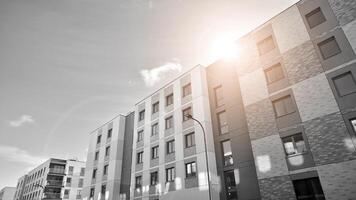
[46,181]
[7,193]
[74,179]
[108,166]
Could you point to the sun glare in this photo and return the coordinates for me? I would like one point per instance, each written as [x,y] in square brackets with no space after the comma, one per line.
[225,47]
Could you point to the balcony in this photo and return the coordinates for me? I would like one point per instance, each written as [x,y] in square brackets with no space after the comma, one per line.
[56,171]
[48,195]
[54,183]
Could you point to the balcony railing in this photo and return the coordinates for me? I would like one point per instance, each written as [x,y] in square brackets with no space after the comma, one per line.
[54,183]
[56,171]
[49,195]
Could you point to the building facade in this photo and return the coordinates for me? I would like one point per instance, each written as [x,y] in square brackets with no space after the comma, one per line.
[7,193]
[108,165]
[20,187]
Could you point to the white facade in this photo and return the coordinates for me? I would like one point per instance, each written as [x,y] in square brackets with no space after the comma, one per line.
[74,179]
[7,193]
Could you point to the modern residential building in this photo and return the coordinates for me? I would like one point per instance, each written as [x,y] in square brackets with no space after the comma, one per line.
[108,166]
[47,180]
[7,193]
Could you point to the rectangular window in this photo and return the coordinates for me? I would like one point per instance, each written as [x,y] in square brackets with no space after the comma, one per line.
[106,168]
[154,152]
[154,129]
[170,147]
[230,185]
[94,173]
[80,182]
[139,135]
[309,188]
[353,124]
[266,45]
[315,17]
[189,140]
[141,115]
[190,169]
[274,73]
[140,157]
[228,159]
[187,90]
[329,48]
[107,151]
[294,144]
[138,182]
[186,112]
[70,170]
[69,180]
[283,106]
[92,191]
[66,192]
[222,120]
[154,178]
[96,155]
[169,99]
[82,171]
[98,139]
[103,190]
[170,174]
[169,122]
[109,133]
[345,84]
[219,97]
[155,107]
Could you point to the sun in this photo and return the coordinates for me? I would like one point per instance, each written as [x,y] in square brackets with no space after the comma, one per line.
[225,47]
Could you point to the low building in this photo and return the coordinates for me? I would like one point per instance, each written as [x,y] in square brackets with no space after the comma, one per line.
[7,193]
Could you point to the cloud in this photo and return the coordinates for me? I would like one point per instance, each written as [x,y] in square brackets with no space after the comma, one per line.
[22,120]
[152,76]
[14,154]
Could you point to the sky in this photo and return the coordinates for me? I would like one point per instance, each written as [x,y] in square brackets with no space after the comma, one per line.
[68,66]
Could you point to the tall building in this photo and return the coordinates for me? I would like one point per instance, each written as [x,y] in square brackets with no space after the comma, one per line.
[47,181]
[7,193]
[108,165]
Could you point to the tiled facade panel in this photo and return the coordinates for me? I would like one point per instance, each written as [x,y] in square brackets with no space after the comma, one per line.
[344,10]
[314,98]
[338,180]
[350,30]
[277,188]
[329,139]
[301,63]
[253,87]
[261,119]
[269,157]
[289,29]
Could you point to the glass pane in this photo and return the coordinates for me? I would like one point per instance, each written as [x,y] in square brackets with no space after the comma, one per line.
[315,17]
[329,47]
[279,108]
[299,143]
[345,84]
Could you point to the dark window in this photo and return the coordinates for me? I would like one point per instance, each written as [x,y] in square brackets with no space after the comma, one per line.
[139,135]
[107,151]
[266,45]
[169,99]
[103,190]
[187,90]
[294,144]
[66,192]
[309,188]
[154,152]
[98,140]
[155,107]
[274,73]
[219,97]
[283,106]
[109,133]
[140,157]
[190,169]
[94,173]
[154,129]
[154,178]
[96,155]
[345,84]
[230,184]
[315,17]
[138,182]
[70,170]
[329,48]
[222,120]
[69,180]
[228,159]
[170,147]
[170,174]
[141,115]
[189,140]
[187,112]
[105,171]
[82,171]
[169,122]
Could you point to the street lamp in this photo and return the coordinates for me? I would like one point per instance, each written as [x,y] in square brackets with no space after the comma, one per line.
[206,152]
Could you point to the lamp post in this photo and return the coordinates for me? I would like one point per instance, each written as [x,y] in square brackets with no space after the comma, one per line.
[206,152]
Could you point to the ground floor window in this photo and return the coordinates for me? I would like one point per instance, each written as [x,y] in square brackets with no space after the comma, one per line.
[308,189]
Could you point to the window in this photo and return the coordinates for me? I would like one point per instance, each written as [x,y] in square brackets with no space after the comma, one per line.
[94,173]
[140,157]
[79,194]
[187,90]
[66,193]
[219,97]
[82,171]
[294,144]
[274,73]
[345,84]
[190,169]
[98,139]
[154,152]
[169,122]
[170,174]
[309,188]
[103,190]
[266,45]
[141,115]
[315,17]
[230,185]
[107,151]
[154,178]
[189,140]
[138,182]
[109,133]
[228,159]
[222,120]
[187,112]
[155,107]
[139,135]
[154,129]
[80,183]
[169,99]
[96,155]
[170,147]
[329,48]
[70,170]
[353,124]
[283,106]
[106,168]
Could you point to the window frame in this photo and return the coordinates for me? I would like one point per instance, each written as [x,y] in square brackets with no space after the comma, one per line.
[138,182]
[313,12]
[169,99]
[217,99]
[98,139]
[139,157]
[193,169]
[190,112]
[343,75]
[141,115]
[170,147]
[326,41]
[264,42]
[281,99]
[170,174]
[107,151]
[169,119]
[154,178]
[154,152]
[105,169]
[109,134]
[271,69]
[220,124]
[292,136]
[153,128]
[154,106]
[192,140]
[186,88]
[140,135]
[229,157]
